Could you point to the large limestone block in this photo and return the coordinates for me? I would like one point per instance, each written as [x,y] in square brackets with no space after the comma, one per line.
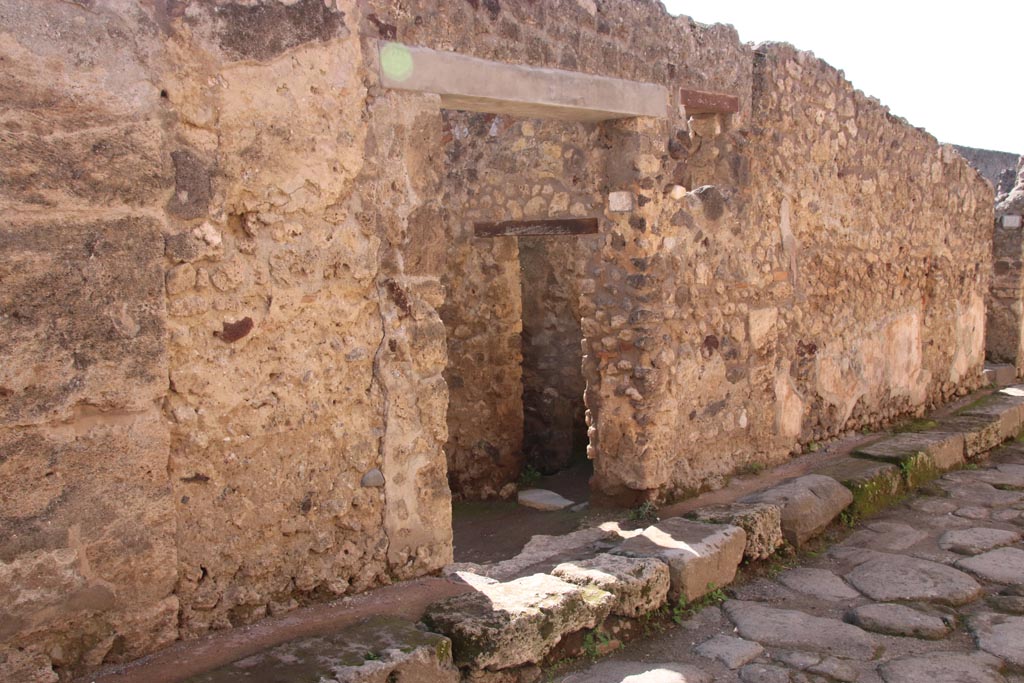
[700,557]
[944,449]
[639,584]
[502,625]
[761,521]
[1005,405]
[874,485]
[981,432]
[379,650]
[809,504]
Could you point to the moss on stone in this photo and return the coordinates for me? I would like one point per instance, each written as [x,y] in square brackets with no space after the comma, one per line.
[875,495]
[918,469]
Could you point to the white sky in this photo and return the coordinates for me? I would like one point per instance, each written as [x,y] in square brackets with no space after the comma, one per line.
[954,68]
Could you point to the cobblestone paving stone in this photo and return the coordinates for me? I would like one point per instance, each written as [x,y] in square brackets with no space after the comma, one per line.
[929,591]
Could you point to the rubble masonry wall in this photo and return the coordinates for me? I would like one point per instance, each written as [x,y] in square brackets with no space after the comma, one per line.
[230,261]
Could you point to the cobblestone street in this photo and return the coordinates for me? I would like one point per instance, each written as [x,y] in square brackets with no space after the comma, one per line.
[931,590]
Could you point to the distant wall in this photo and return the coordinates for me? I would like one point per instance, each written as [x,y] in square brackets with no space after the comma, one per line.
[999,168]
[1005,309]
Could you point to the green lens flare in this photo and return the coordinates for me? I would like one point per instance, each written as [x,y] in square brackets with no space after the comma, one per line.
[396,61]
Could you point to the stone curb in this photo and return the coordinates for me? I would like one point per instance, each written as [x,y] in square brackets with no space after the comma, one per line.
[703,555]
[505,628]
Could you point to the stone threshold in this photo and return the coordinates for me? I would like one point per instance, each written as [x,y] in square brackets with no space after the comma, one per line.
[501,622]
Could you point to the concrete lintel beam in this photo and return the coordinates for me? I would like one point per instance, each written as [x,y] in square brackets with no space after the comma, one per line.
[472,84]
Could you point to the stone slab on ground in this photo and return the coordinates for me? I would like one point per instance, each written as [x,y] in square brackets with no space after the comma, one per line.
[733,652]
[796,630]
[945,449]
[898,620]
[639,584]
[639,672]
[1005,475]
[818,583]
[1010,452]
[1003,565]
[967,489]
[976,540]
[1008,604]
[809,504]
[887,577]
[874,484]
[981,432]
[764,673]
[887,536]
[700,557]
[504,625]
[377,650]
[943,667]
[761,521]
[542,499]
[1000,635]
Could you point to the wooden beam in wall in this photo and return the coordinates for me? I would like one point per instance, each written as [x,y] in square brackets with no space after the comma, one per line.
[536,228]
[472,84]
[706,102]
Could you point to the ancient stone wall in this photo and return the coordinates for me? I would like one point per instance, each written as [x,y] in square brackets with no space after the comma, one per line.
[222,356]
[884,236]
[87,529]
[1004,337]
[837,284]
[306,401]
[236,271]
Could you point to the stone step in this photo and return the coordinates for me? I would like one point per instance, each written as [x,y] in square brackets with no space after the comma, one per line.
[1000,374]
[516,623]
[640,584]
[700,557]
[1006,404]
[981,432]
[920,455]
[875,485]
[761,521]
[379,649]
[809,504]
